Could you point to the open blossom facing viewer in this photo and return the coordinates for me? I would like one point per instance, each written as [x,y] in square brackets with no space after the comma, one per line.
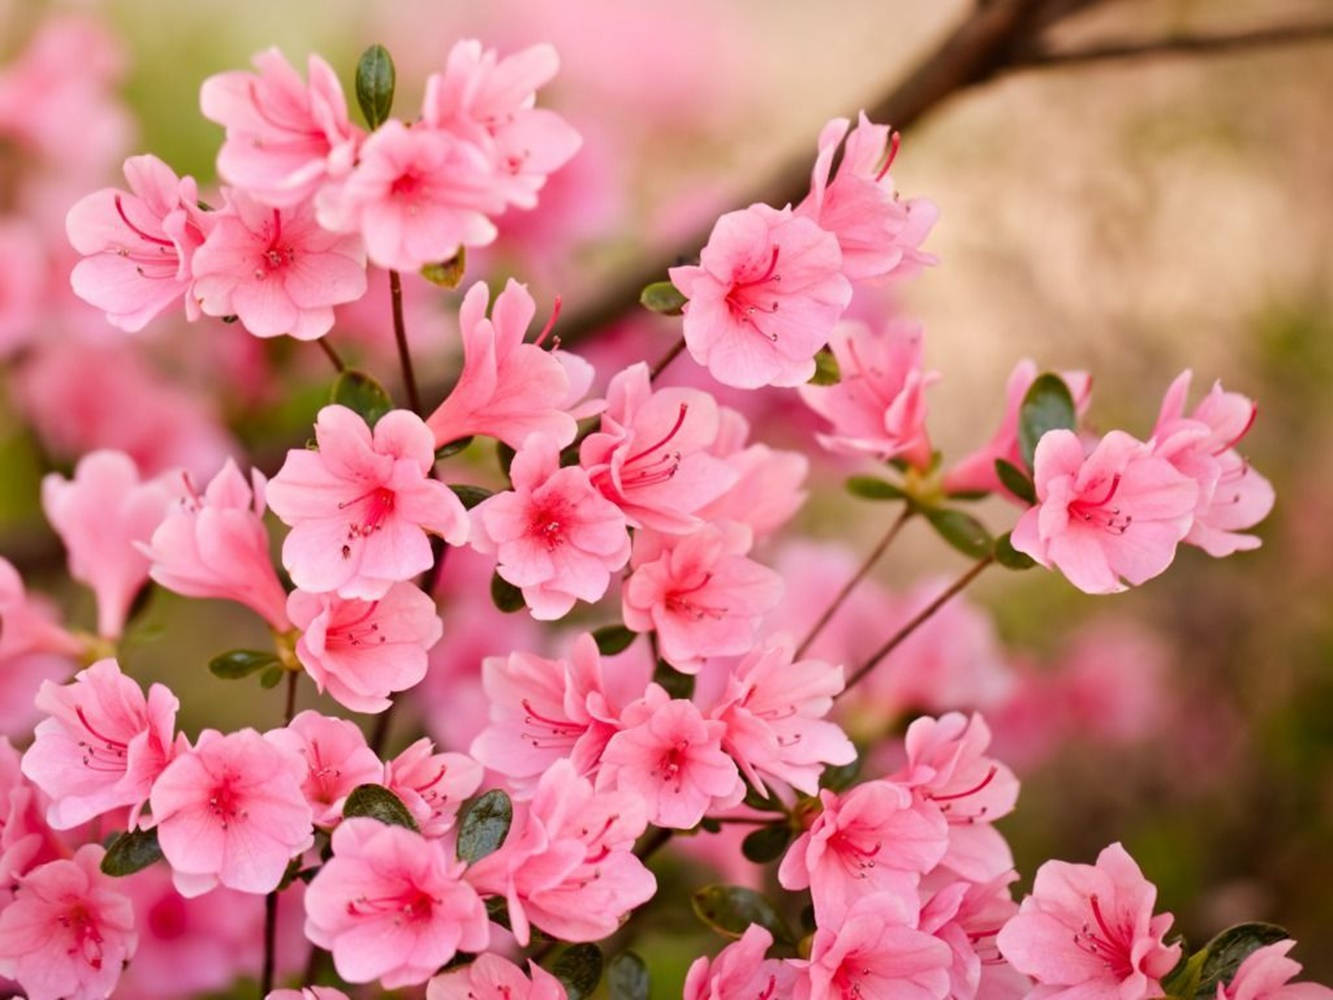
[491,977]
[361,506]
[763,299]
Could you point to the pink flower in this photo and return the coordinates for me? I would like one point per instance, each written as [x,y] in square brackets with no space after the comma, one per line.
[22,278]
[556,537]
[651,456]
[362,652]
[308,993]
[216,545]
[1113,515]
[276,269]
[967,916]
[976,471]
[334,759]
[432,785]
[391,905]
[416,195]
[491,977]
[1090,930]
[768,489]
[879,235]
[69,930]
[1232,496]
[670,757]
[102,746]
[103,515]
[137,247]
[1266,974]
[741,972]
[568,865]
[876,838]
[231,811]
[361,506]
[507,389]
[34,648]
[764,298]
[878,408]
[875,950]
[699,593]
[284,138]
[774,709]
[25,839]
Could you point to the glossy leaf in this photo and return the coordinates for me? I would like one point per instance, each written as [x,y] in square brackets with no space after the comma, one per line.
[662,297]
[579,969]
[130,852]
[375,79]
[1048,406]
[614,639]
[730,909]
[484,825]
[377,802]
[237,663]
[362,394]
[1016,481]
[963,531]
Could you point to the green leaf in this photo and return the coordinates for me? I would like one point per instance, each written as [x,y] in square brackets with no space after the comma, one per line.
[963,531]
[237,663]
[827,370]
[452,448]
[730,909]
[871,488]
[505,455]
[1016,481]
[613,639]
[662,297]
[485,825]
[1009,557]
[362,394]
[470,495]
[447,273]
[374,85]
[756,799]
[579,969]
[836,777]
[767,843]
[627,977]
[1229,948]
[377,802]
[505,595]
[131,852]
[675,683]
[497,911]
[1048,406]
[271,678]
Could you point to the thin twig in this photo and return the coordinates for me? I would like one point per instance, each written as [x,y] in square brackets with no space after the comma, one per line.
[400,337]
[270,943]
[289,709]
[656,839]
[664,362]
[1179,44]
[380,735]
[334,357]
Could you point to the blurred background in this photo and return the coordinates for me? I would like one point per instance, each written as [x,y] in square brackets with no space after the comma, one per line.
[1126,217]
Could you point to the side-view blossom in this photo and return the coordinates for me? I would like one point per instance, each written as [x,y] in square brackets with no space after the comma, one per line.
[25,838]
[1266,974]
[769,486]
[34,648]
[491,977]
[361,507]
[740,971]
[334,759]
[432,785]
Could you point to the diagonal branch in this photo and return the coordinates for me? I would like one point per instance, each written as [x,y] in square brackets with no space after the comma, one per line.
[1182,44]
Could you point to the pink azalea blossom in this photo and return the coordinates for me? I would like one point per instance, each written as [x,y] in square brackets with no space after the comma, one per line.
[967,916]
[284,137]
[1090,930]
[508,389]
[137,246]
[568,865]
[741,972]
[669,756]
[391,905]
[879,235]
[875,950]
[34,648]
[25,839]
[976,471]
[768,489]
[1266,974]
[231,811]
[764,297]
[334,759]
[878,407]
[102,745]
[103,515]
[1232,496]
[216,545]
[69,930]
[361,652]
[491,977]
[700,594]
[276,269]
[875,838]
[432,785]
[361,506]
[651,455]
[556,537]
[1115,514]
[774,710]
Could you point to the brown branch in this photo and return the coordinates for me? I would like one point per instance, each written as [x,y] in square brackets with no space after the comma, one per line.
[1182,44]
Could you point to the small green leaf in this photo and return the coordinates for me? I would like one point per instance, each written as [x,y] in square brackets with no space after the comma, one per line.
[963,531]
[484,825]
[614,639]
[470,495]
[662,297]
[579,969]
[447,273]
[1229,948]
[237,663]
[504,455]
[871,488]
[452,448]
[675,683]
[374,85]
[505,595]
[1048,406]
[271,678]
[1009,557]
[836,777]
[362,394]
[627,977]
[764,802]
[1016,481]
[827,370]
[1183,979]
[766,843]
[131,852]
[730,909]
[377,802]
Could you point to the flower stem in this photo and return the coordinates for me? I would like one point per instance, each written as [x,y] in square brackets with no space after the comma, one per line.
[666,359]
[270,940]
[400,337]
[334,357]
